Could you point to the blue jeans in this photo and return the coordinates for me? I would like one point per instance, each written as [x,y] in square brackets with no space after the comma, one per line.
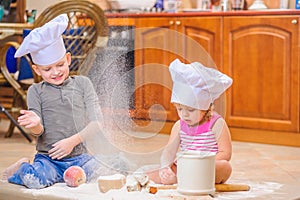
[44,171]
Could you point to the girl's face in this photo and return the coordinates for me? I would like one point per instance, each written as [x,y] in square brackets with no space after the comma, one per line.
[55,73]
[189,115]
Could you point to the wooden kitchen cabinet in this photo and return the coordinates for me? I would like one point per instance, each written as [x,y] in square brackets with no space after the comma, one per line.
[158,42]
[261,54]
[259,50]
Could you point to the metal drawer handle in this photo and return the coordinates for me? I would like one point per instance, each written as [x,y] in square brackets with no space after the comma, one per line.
[294,21]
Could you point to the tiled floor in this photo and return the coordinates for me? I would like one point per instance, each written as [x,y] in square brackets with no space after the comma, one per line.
[272,172]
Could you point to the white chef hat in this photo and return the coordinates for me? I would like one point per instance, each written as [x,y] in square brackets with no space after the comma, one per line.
[195,85]
[45,44]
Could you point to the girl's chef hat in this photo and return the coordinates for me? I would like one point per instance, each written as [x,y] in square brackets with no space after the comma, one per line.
[45,44]
[195,85]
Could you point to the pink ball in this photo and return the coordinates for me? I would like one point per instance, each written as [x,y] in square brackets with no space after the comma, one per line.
[74,176]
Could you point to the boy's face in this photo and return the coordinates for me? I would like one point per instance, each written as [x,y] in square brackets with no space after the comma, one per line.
[55,73]
[189,115]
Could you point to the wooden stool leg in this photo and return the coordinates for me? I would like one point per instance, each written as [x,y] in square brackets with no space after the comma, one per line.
[12,125]
[10,131]
[15,123]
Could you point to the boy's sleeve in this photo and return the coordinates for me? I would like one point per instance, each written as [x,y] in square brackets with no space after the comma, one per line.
[91,101]
[34,100]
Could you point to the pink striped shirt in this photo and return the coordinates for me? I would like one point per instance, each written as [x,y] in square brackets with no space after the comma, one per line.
[199,138]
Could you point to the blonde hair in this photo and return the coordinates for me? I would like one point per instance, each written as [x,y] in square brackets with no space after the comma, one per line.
[208,113]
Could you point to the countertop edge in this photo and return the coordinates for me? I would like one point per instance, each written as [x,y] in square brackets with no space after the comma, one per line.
[207,13]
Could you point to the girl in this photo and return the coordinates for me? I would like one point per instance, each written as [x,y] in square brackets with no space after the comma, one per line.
[195,87]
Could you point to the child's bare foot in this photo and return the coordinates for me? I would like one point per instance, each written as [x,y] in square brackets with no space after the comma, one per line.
[13,168]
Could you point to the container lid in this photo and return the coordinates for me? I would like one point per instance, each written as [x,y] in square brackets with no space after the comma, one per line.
[195,154]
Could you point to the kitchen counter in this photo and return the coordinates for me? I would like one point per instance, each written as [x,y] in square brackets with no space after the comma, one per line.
[205,13]
[127,17]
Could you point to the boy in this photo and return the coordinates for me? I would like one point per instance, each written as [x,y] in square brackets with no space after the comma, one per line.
[61,110]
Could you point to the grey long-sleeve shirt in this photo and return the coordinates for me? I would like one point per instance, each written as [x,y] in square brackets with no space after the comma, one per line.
[64,110]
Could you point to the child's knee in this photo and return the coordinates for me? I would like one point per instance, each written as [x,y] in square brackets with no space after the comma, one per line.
[26,176]
[223,171]
[33,182]
[38,176]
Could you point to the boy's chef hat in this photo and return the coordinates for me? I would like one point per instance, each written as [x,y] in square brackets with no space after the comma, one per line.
[195,85]
[45,44]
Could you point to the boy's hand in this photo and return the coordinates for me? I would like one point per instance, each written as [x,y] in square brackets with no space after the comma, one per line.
[61,149]
[64,147]
[29,119]
[167,176]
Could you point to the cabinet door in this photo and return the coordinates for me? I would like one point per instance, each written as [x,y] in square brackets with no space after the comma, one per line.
[261,55]
[154,49]
[201,40]
[158,42]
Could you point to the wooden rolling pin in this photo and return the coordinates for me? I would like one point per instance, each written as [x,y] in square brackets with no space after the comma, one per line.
[231,187]
[219,187]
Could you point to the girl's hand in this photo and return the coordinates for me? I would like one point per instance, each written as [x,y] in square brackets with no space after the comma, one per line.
[29,119]
[167,176]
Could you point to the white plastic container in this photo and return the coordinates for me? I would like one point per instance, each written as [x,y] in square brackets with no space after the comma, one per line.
[196,173]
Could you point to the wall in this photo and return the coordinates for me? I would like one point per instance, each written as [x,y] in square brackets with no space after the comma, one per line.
[43,4]
[273,4]
[40,6]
